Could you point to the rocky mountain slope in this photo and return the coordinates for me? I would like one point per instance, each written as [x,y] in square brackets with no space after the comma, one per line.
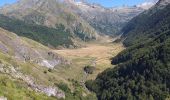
[50,13]
[81,19]
[105,20]
[26,50]
[142,70]
[30,70]
[19,59]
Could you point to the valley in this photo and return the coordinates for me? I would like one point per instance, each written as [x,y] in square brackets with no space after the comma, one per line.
[47,70]
[77,50]
[94,54]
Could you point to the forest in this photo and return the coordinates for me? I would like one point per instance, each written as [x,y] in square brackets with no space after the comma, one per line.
[48,36]
[142,71]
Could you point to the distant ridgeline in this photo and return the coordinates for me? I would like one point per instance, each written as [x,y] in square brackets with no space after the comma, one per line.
[143,69]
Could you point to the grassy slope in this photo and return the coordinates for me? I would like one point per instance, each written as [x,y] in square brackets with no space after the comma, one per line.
[42,75]
[15,89]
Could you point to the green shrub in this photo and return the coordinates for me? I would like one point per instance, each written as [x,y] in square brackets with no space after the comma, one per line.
[89,69]
[63,87]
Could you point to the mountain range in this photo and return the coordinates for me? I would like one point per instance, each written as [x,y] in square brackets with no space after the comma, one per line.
[79,21]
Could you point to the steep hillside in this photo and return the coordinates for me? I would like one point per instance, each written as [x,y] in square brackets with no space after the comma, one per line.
[21,62]
[50,13]
[142,70]
[142,27]
[29,70]
[47,36]
[27,50]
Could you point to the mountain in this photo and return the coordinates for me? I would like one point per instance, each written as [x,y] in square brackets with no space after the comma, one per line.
[51,37]
[82,19]
[30,29]
[50,13]
[105,20]
[163,3]
[142,70]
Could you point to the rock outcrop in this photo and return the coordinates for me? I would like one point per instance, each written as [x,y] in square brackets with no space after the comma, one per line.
[26,50]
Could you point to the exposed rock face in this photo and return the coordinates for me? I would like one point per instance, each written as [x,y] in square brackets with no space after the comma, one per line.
[106,20]
[3,98]
[15,73]
[21,49]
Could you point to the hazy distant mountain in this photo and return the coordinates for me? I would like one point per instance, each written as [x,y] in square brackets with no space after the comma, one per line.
[105,20]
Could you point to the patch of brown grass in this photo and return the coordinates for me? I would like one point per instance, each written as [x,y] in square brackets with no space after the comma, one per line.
[93,54]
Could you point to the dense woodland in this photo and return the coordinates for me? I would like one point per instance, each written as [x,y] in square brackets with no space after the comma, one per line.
[45,35]
[143,69]
[146,26]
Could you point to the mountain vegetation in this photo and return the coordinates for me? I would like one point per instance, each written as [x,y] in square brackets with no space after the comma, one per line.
[16,90]
[51,13]
[48,36]
[80,18]
[146,26]
[142,71]
[32,68]
[22,60]
[105,20]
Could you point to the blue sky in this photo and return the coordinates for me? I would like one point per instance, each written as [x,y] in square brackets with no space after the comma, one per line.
[106,3]
[111,3]
[2,2]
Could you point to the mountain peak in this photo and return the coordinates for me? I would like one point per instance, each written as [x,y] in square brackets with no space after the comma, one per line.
[163,2]
[145,5]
